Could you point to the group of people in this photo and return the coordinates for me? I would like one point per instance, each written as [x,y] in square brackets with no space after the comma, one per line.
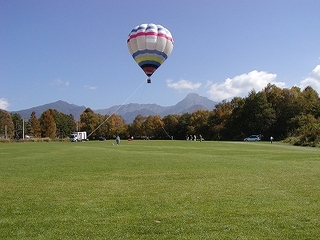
[188,138]
[193,138]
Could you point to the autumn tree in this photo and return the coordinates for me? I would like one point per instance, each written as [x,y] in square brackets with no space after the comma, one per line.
[33,125]
[6,124]
[102,128]
[153,126]
[117,126]
[89,121]
[48,125]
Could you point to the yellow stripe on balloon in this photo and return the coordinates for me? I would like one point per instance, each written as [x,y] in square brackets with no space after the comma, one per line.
[149,58]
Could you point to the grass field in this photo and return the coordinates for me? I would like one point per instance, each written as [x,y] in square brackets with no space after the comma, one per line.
[159,190]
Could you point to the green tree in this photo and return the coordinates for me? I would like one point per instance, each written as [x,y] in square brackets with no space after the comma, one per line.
[233,123]
[170,125]
[217,120]
[308,135]
[137,128]
[302,120]
[183,126]
[310,102]
[257,115]
[18,125]
[287,106]
[65,124]
[199,121]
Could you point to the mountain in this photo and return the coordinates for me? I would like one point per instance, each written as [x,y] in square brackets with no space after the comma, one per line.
[60,106]
[189,104]
[132,107]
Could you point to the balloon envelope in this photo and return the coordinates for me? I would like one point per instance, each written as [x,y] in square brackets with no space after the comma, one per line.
[150,45]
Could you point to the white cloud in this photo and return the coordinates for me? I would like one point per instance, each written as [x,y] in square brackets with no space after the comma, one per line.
[241,85]
[183,84]
[59,82]
[4,104]
[316,72]
[90,87]
[313,80]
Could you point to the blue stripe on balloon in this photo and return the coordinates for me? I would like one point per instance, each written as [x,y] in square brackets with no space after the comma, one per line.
[152,63]
[146,51]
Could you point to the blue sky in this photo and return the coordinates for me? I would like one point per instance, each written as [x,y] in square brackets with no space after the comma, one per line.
[76,51]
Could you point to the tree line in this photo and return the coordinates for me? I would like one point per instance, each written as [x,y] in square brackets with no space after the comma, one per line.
[291,114]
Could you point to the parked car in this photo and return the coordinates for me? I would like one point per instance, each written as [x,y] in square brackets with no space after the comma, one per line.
[252,138]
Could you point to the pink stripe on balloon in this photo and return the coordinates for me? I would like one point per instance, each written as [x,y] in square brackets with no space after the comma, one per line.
[149,34]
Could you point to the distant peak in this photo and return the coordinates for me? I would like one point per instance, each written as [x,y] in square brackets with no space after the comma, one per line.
[193,95]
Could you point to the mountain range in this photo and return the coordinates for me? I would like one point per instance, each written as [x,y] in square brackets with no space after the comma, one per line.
[189,104]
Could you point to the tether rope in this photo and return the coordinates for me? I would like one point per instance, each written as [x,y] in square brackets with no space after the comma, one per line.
[144,81]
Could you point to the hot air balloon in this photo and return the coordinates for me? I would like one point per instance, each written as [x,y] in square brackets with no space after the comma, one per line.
[150,45]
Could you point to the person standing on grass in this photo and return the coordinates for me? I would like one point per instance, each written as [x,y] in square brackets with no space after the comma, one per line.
[271,139]
[118,140]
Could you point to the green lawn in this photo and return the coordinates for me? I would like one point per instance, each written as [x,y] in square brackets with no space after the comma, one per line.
[159,190]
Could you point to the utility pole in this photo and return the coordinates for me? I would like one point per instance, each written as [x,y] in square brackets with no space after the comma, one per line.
[23,128]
